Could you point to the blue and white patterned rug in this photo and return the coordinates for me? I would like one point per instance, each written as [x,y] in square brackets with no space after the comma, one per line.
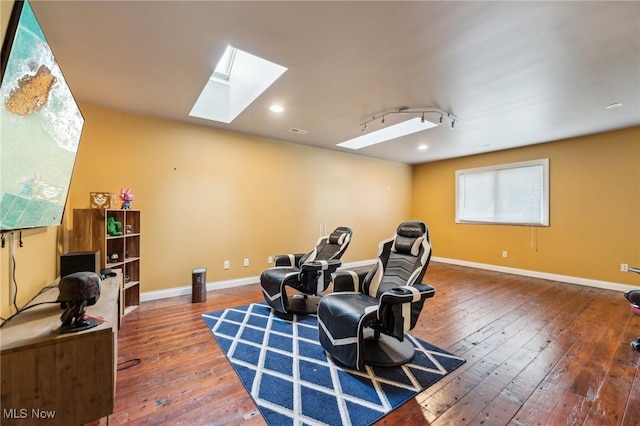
[287,373]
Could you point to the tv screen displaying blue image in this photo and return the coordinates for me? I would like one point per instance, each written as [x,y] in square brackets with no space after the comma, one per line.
[40,128]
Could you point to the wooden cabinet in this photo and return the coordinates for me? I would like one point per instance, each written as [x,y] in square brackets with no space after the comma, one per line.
[119,246]
[66,379]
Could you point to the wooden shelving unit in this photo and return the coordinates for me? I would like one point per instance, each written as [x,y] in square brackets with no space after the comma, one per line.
[90,232]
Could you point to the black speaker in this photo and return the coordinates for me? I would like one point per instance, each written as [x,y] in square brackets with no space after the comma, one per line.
[80,262]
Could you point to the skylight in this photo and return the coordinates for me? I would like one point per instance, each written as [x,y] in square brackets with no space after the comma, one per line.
[404,128]
[238,80]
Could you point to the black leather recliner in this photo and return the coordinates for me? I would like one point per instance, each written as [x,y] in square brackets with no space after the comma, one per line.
[310,274]
[364,321]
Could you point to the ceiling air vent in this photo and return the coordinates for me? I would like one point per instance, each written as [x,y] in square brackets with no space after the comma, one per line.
[298,131]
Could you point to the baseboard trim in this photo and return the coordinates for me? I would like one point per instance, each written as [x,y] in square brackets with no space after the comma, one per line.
[218,285]
[607,285]
[186,290]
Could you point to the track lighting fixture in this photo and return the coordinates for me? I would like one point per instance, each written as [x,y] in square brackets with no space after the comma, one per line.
[403,128]
[407,110]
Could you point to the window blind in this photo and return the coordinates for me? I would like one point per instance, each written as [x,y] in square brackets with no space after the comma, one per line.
[516,193]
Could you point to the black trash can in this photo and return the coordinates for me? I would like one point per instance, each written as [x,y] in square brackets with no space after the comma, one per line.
[199,285]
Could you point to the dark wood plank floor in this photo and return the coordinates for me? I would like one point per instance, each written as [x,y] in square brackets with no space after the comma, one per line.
[538,353]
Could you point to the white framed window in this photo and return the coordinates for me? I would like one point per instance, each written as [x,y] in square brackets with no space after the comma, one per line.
[515,194]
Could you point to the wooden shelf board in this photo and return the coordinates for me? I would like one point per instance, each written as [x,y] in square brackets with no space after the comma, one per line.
[131,284]
[130,308]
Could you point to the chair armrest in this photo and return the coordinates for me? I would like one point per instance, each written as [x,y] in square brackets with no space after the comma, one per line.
[349,280]
[407,294]
[288,259]
[314,277]
[399,308]
[321,265]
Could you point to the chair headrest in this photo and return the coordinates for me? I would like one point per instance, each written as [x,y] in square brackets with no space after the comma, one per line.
[411,229]
[409,237]
[338,236]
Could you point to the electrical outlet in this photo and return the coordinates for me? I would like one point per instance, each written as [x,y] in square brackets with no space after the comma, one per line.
[504,253]
[227,264]
[624,267]
[270,259]
[246,262]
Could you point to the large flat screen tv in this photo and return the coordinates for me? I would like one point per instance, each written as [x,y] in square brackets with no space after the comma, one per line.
[40,127]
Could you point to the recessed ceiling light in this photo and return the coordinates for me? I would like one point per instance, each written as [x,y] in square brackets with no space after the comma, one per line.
[388,133]
[276,108]
[423,147]
[614,105]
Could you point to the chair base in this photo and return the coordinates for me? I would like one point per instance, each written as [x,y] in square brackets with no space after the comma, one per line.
[387,351]
[303,304]
[636,344]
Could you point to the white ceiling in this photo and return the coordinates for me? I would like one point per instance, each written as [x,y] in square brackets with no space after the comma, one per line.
[514,73]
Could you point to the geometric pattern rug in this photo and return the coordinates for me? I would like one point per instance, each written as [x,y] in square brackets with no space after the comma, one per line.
[292,381]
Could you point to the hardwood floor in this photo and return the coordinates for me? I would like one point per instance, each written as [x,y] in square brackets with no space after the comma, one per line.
[538,353]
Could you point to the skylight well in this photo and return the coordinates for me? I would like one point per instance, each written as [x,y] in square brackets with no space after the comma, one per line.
[404,128]
[238,80]
[223,69]
[398,130]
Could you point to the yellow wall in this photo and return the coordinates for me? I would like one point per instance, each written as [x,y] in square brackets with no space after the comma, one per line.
[36,265]
[594,213]
[5,13]
[209,195]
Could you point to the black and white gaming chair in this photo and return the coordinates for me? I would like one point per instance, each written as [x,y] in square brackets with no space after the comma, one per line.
[310,274]
[366,317]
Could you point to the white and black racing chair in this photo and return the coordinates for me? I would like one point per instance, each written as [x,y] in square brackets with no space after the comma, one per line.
[364,321]
[310,274]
